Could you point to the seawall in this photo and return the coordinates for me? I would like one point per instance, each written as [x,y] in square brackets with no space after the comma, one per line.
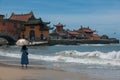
[83,41]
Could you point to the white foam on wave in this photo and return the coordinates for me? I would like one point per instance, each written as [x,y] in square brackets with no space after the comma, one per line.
[93,44]
[31,56]
[9,54]
[73,56]
[99,44]
[96,57]
[95,54]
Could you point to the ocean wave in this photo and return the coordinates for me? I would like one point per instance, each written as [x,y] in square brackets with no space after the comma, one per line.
[95,54]
[73,56]
[93,44]
[99,44]
[95,57]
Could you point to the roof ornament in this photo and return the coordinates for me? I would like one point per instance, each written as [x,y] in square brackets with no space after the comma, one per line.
[31,12]
[88,27]
[13,13]
[81,26]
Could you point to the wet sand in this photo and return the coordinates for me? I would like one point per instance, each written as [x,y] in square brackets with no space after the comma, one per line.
[8,72]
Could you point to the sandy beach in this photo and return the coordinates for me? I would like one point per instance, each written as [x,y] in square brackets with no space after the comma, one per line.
[8,72]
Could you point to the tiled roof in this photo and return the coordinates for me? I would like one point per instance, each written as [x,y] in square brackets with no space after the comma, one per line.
[87,30]
[59,24]
[21,17]
[1,15]
[95,36]
[34,21]
[73,33]
[83,29]
[38,22]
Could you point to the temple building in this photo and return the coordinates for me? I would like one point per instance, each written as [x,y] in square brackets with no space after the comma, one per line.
[9,26]
[36,29]
[58,32]
[82,33]
[87,33]
[25,26]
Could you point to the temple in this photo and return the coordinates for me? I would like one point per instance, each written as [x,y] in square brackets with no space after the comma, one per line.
[25,26]
[35,29]
[83,33]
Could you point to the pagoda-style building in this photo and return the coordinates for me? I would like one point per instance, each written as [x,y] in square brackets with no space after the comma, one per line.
[82,33]
[36,29]
[58,32]
[59,27]
[87,33]
[25,26]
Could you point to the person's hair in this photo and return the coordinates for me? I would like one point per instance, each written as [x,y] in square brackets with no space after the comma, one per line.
[24,47]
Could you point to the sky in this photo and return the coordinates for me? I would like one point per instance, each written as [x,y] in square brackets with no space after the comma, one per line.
[100,15]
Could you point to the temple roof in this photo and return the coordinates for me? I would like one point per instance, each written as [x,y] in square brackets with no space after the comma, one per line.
[22,17]
[36,21]
[87,30]
[1,15]
[73,33]
[95,36]
[59,24]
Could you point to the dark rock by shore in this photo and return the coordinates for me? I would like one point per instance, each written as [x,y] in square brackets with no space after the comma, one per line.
[3,41]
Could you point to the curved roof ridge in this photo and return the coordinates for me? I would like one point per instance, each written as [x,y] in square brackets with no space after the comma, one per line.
[22,17]
[31,13]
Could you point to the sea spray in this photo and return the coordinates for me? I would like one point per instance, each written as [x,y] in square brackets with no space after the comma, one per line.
[73,56]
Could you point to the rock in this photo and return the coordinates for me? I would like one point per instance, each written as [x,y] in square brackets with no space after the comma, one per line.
[3,41]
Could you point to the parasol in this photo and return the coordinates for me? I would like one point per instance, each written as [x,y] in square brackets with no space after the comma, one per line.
[22,42]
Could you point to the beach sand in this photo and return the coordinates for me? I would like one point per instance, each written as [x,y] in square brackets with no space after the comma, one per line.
[8,72]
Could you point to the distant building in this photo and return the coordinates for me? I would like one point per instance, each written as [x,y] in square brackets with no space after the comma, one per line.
[72,34]
[87,33]
[36,29]
[104,37]
[58,32]
[25,26]
[82,33]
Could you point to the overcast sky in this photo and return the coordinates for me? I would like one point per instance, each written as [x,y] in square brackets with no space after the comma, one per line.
[100,15]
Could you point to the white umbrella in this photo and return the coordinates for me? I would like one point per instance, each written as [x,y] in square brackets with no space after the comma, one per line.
[22,42]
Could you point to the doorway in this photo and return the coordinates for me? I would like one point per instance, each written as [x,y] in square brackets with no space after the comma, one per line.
[32,35]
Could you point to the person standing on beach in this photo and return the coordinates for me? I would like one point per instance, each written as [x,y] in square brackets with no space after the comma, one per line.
[24,56]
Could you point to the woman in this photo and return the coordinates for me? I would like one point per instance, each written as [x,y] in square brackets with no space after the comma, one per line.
[24,57]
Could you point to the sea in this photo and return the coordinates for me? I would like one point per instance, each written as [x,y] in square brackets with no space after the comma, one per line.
[97,59]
